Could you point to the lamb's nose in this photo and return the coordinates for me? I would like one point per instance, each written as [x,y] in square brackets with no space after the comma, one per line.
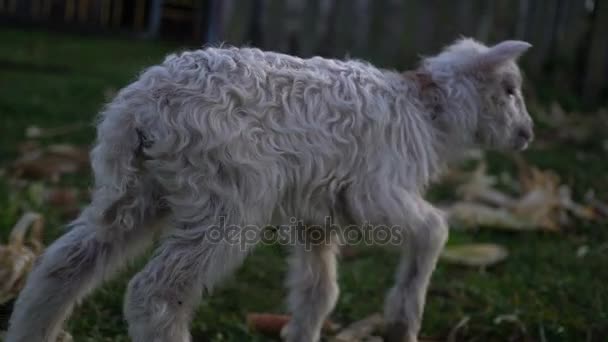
[525,133]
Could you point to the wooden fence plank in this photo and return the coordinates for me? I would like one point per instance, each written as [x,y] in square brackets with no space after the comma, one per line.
[272,23]
[327,42]
[465,11]
[391,29]
[597,66]
[523,11]
[501,24]
[310,28]
[425,26]
[449,30]
[344,23]
[236,25]
[361,30]
[486,19]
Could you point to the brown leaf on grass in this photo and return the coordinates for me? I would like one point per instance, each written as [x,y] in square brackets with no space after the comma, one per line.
[581,211]
[531,178]
[600,208]
[474,254]
[65,200]
[480,187]
[17,259]
[273,324]
[360,330]
[62,197]
[473,215]
[543,202]
[545,199]
[36,132]
[50,162]
[18,256]
[27,146]
[267,324]
[76,153]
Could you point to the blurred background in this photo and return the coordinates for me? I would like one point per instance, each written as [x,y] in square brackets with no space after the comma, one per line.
[569,36]
[528,256]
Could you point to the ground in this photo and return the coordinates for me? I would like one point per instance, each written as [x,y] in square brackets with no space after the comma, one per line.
[52,79]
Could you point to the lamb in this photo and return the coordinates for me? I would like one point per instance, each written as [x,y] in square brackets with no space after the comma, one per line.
[238,137]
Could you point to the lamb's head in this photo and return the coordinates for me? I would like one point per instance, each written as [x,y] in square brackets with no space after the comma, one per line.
[481,87]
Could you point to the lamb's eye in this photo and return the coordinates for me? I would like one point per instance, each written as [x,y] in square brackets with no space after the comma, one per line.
[510,91]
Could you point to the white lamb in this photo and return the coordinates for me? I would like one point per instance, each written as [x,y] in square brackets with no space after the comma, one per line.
[244,138]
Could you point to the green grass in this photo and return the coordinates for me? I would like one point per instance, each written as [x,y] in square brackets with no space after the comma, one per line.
[53,79]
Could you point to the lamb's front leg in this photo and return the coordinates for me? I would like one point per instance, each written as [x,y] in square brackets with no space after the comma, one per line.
[424,235]
[313,290]
[420,231]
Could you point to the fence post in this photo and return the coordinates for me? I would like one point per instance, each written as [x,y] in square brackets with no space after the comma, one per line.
[597,56]
[214,22]
[156,9]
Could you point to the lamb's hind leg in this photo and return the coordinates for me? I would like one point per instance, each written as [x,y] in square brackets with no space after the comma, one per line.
[313,289]
[162,297]
[70,268]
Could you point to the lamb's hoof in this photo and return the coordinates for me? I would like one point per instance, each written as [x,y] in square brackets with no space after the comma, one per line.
[399,332]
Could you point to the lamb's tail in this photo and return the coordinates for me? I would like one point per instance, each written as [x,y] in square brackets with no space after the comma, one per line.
[116,226]
[123,189]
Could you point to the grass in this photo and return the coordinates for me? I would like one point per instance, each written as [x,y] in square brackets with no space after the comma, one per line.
[53,79]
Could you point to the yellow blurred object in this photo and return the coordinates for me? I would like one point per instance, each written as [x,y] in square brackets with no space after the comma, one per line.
[542,202]
[475,254]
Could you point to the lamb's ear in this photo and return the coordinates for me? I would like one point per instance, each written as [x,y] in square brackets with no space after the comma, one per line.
[498,55]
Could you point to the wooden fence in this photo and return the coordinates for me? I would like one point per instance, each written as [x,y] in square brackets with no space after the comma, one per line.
[570,37]
[135,18]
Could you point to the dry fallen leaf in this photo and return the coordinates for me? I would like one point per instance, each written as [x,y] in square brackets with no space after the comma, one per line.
[600,208]
[35,132]
[480,187]
[545,198]
[50,162]
[64,199]
[273,324]
[474,215]
[61,197]
[543,202]
[267,324]
[360,330]
[18,256]
[475,254]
